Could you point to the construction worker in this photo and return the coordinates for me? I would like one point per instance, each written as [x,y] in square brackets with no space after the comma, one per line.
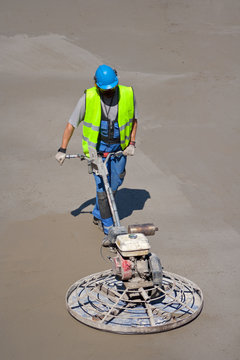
[108,112]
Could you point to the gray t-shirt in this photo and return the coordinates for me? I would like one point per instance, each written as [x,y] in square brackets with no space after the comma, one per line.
[109,109]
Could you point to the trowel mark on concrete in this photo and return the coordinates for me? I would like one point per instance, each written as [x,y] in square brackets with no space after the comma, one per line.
[158,76]
[47,53]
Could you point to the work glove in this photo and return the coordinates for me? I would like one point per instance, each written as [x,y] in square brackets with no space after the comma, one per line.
[60,156]
[129,151]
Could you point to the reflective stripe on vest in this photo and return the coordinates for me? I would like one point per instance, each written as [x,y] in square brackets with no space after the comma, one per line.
[92,119]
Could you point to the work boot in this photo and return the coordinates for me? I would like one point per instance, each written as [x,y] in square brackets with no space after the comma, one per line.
[98,222]
[95,220]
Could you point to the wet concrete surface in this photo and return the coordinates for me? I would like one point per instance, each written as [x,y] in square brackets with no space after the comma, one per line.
[182,58]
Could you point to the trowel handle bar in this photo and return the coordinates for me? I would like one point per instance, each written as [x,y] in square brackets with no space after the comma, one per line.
[108,155]
[104,154]
[75,156]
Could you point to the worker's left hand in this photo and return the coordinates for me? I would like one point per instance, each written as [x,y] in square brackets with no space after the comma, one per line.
[129,151]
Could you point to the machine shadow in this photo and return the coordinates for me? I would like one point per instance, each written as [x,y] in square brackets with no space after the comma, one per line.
[127,201]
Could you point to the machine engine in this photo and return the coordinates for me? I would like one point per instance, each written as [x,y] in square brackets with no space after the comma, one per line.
[134,264]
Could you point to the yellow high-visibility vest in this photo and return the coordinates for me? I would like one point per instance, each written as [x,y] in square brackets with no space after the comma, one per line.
[92,118]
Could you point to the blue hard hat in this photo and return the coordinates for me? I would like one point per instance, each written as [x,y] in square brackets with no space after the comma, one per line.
[106,77]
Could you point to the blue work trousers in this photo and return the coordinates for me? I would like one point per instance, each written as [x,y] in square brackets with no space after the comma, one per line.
[116,173]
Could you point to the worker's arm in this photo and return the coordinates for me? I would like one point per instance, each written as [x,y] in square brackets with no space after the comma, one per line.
[134,130]
[69,129]
[61,154]
[130,149]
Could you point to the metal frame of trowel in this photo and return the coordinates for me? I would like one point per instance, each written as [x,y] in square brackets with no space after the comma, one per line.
[99,168]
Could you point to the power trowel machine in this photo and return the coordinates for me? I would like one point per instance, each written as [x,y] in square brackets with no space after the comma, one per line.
[136,295]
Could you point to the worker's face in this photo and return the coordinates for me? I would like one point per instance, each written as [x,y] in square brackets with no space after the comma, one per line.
[108,93]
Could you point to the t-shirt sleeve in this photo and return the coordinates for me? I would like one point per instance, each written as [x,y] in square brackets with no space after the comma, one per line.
[78,113]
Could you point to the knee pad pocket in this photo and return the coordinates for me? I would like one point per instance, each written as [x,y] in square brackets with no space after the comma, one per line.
[104,205]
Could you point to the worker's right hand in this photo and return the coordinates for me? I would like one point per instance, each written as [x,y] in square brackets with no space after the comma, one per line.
[60,157]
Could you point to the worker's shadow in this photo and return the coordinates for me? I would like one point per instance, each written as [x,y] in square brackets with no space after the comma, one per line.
[127,201]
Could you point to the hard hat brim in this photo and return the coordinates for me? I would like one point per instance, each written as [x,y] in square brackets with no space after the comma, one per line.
[109,86]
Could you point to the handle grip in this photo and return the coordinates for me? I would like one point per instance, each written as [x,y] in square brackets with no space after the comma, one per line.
[75,156]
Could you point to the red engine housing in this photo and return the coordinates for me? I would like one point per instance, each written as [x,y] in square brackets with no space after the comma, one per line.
[122,267]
